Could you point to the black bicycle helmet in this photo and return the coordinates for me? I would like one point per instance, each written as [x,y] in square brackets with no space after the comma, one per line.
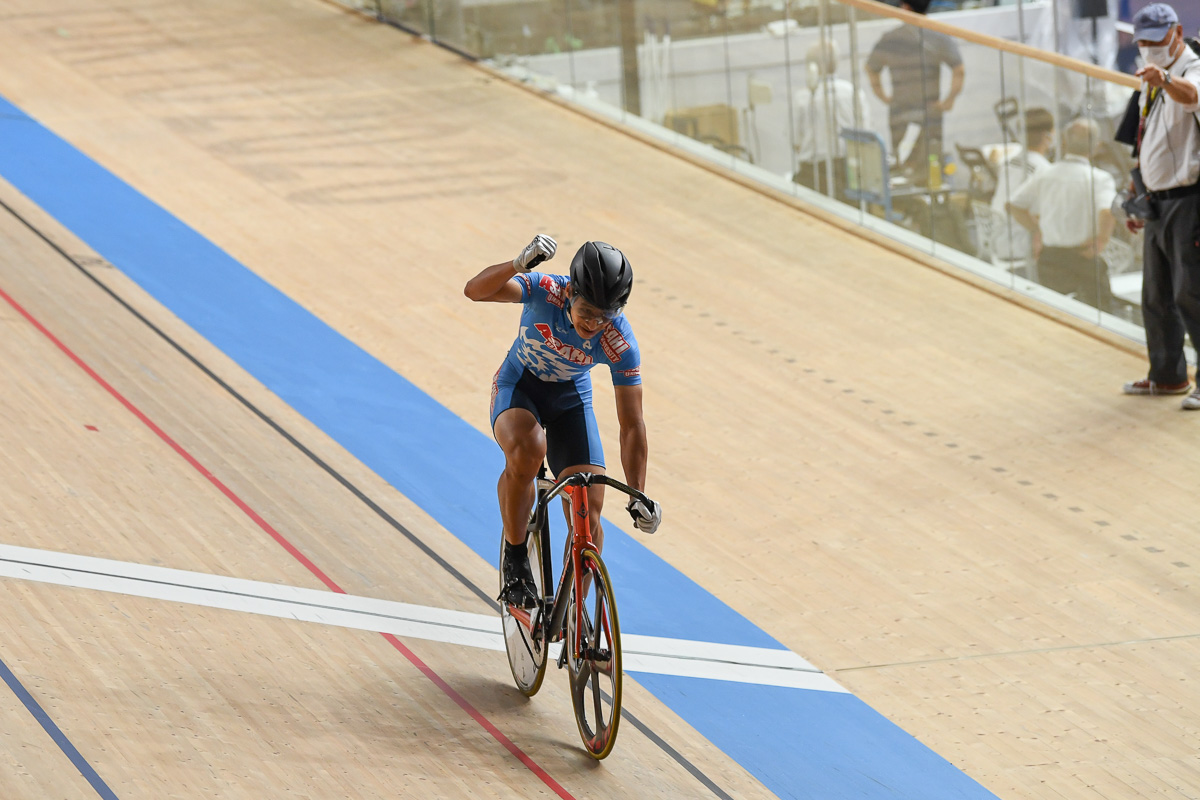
[601,274]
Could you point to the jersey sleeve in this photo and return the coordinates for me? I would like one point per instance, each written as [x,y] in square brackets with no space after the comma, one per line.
[528,282]
[620,347]
[539,287]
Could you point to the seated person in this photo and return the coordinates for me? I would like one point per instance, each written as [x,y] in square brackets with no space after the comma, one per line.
[1054,205]
[827,100]
[1012,242]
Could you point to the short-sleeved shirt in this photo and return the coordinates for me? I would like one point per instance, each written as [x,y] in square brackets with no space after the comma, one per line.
[1170,152]
[1060,197]
[849,111]
[914,57]
[548,346]
[1014,241]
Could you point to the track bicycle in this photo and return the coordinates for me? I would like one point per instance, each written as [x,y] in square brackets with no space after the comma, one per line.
[580,616]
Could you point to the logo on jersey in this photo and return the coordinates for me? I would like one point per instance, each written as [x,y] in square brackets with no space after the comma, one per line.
[636,372]
[613,343]
[572,354]
[554,292]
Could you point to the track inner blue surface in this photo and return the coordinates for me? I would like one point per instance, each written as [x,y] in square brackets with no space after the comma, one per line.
[802,744]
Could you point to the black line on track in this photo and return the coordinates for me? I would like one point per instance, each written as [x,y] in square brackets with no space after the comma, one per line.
[675,755]
[384,515]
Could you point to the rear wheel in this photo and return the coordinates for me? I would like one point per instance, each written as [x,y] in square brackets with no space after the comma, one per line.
[524,637]
[595,671]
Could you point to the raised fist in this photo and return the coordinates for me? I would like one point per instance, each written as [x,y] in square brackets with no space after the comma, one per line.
[540,249]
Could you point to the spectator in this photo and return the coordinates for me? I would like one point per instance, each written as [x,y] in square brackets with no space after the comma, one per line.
[913,58]
[1012,242]
[826,92]
[1054,205]
[1169,163]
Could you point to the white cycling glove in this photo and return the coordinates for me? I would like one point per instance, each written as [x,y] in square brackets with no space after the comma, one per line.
[540,249]
[646,518]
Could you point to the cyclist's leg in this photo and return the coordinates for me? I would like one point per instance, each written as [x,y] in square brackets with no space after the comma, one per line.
[523,441]
[516,424]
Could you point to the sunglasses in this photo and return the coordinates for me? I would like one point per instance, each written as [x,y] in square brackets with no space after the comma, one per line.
[586,312]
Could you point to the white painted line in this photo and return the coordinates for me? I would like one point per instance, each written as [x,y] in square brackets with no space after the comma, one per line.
[648,654]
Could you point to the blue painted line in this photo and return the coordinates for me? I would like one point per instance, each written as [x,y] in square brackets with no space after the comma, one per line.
[60,739]
[449,469]
[384,420]
[801,747]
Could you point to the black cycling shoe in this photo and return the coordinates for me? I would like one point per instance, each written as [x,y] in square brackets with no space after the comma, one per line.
[519,589]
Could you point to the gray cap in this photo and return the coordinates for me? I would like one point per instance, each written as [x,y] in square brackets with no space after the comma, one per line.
[1154,22]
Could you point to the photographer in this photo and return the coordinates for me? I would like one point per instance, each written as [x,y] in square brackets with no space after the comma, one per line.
[1168,168]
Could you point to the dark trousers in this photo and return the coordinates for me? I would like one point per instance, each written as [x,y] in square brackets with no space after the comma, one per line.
[1066,270]
[1171,286]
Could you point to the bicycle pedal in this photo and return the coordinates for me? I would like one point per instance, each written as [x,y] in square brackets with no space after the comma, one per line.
[597,655]
[519,594]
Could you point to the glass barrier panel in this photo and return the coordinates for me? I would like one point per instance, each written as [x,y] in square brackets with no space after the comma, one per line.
[1122,252]
[824,102]
[1055,208]
[970,129]
[1038,99]
[1027,134]
[697,84]
[604,46]
[413,15]
[1113,251]
[509,32]
[882,148]
[929,138]
[365,6]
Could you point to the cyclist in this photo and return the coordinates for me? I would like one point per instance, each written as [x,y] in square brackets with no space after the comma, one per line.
[542,394]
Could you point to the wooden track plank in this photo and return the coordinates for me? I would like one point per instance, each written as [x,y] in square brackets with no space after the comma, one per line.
[879,464]
[31,764]
[120,492]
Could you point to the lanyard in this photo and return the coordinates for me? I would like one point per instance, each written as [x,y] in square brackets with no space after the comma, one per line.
[1151,96]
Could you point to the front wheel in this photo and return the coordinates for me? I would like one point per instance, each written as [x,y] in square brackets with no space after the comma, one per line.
[595,670]
[524,631]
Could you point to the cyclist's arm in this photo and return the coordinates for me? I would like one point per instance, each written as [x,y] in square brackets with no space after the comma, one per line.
[494,285]
[634,448]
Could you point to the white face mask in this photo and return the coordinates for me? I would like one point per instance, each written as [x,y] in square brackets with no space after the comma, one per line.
[1158,56]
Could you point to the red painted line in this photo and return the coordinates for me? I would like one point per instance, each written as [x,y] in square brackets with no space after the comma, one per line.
[425,669]
[478,717]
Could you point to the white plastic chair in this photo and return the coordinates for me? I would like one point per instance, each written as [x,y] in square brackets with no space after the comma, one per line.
[989,223]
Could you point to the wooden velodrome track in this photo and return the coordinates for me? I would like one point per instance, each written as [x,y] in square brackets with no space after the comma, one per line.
[936,496]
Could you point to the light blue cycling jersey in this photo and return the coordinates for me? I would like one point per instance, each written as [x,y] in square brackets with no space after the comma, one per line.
[548,346]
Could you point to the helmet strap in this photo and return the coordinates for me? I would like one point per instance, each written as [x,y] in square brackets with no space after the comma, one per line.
[567,308]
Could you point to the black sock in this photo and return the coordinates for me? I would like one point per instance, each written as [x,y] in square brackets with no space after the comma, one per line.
[517,550]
